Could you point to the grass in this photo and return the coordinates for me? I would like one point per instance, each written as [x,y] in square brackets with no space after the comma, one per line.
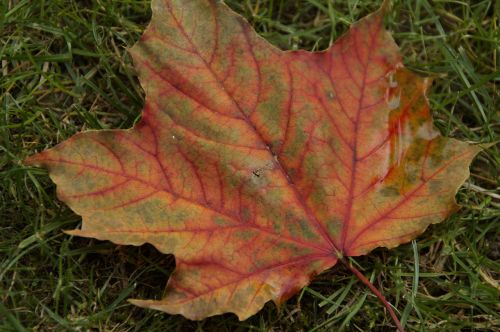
[64,68]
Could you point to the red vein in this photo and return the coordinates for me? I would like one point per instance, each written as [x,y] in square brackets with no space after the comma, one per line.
[110,151]
[392,130]
[256,64]
[193,98]
[392,238]
[350,198]
[191,201]
[332,120]
[405,199]
[133,201]
[100,192]
[215,49]
[267,269]
[416,216]
[318,225]
[190,132]
[288,109]
[221,187]
[373,184]
[196,173]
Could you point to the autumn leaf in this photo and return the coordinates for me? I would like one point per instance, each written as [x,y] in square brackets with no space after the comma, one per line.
[259,168]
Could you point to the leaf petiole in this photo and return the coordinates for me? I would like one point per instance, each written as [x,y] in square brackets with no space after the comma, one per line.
[375,291]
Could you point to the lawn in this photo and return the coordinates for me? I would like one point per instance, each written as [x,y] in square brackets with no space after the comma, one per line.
[65,68]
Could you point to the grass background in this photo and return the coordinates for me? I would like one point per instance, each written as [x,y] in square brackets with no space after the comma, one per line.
[64,68]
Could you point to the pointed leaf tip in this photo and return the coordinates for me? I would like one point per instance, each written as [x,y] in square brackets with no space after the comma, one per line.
[385,7]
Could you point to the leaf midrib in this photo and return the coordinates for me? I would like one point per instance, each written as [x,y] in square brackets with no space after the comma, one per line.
[318,225]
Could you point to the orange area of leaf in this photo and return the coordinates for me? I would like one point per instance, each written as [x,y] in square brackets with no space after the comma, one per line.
[258,168]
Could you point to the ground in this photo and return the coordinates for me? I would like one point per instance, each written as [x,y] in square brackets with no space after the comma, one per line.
[65,68]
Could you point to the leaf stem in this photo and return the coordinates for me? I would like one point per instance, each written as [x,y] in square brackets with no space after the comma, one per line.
[375,291]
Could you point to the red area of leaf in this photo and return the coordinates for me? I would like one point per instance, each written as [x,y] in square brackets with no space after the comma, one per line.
[259,168]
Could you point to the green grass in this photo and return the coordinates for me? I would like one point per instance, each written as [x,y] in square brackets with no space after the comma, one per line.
[64,68]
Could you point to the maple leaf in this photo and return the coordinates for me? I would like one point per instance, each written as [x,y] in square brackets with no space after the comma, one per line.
[259,168]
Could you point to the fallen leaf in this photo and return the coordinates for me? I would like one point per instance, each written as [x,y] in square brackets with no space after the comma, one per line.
[259,168]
